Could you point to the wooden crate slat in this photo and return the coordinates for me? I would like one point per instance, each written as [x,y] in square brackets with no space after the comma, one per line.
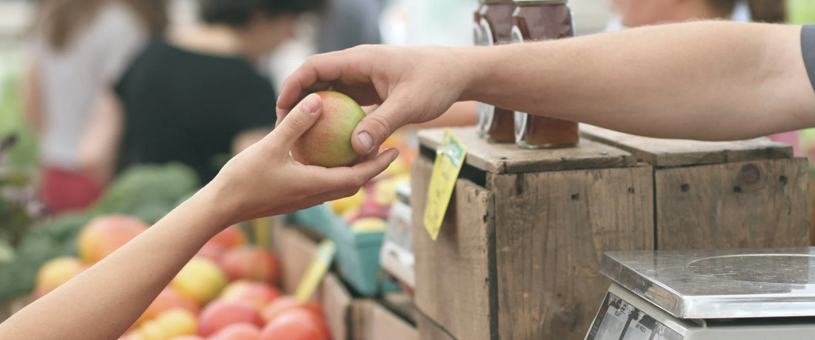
[452,273]
[759,204]
[374,321]
[674,152]
[508,158]
[551,231]
[429,330]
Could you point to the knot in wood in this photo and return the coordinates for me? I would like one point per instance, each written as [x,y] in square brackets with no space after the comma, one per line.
[750,174]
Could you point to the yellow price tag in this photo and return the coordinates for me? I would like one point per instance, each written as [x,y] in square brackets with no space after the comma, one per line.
[449,160]
[261,227]
[316,270]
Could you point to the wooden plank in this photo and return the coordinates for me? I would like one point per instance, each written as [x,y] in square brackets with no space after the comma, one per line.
[429,330]
[676,152]
[373,321]
[811,211]
[295,251]
[508,158]
[757,204]
[337,305]
[453,274]
[401,304]
[552,229]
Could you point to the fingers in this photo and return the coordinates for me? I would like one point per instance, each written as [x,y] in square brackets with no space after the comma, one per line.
[315,74]
[355,177]
[375,128]
[297,123]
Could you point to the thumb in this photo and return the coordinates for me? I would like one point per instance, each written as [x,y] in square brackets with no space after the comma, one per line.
[297,122]
[376,127]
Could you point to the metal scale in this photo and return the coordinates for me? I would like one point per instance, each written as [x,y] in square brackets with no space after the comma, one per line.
[708,294]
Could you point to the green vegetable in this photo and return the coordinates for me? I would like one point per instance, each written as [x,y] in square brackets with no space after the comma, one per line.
[148,191]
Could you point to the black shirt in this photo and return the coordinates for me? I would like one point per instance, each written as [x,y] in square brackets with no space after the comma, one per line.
[188,107]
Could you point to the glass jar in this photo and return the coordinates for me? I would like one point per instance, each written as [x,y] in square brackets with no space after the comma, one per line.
[536,20]
[497,124]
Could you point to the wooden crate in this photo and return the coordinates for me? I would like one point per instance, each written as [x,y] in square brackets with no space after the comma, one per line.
[521,243]
[745,194]
[348,317]
[295,249]
[372,321]
[430,330]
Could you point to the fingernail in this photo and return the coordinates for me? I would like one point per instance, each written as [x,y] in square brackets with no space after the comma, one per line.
[366,141]
[311,103]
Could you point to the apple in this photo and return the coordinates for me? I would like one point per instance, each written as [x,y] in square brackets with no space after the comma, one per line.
[251,263]
[201,280]
[212,251]
[168,300]
[56,272]
[297,324]
[257,294]
[219,314]
[169,325]
[328,142]
[238,331]
[287,303]
[105,234]
[232,237]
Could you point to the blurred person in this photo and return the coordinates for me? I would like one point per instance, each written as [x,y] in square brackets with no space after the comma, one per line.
[197,96]
[79,47]
[636,13]
[348,23]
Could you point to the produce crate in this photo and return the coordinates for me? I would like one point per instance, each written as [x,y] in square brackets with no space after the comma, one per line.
[430,330]
[520,246]
[373,321]
[360,319]
[720,195]
[357,253]
[295,250]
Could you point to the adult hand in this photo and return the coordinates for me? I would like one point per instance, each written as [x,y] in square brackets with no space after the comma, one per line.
[264,180]
[411,85]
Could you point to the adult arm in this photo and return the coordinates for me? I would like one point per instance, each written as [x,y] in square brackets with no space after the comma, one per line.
[701,80]
[102,302]
[32,99]
[99,147]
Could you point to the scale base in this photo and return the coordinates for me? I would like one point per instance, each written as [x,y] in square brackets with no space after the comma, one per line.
[625,316]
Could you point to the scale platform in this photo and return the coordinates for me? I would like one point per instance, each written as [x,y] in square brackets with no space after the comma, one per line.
[708,294]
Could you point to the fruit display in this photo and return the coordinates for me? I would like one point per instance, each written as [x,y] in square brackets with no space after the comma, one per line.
[227,292]
[143,192]
[368,210]
[357,224]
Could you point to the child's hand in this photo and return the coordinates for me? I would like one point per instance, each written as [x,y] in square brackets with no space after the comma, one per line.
[264,180]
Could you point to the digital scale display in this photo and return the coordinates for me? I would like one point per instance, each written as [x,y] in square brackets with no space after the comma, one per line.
[619,320]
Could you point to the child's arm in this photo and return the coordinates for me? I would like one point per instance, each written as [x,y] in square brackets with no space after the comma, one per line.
[102,302]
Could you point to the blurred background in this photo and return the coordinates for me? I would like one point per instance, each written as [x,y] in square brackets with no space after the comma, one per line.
[98,96]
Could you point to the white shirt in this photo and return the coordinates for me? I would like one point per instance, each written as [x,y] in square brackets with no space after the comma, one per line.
[71,80]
